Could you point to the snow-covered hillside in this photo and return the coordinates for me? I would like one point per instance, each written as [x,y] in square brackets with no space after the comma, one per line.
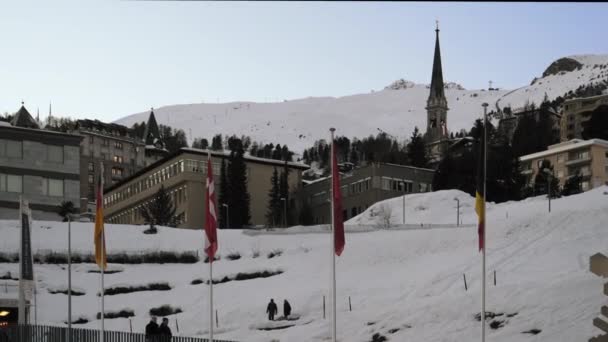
[404,284]
[396,110]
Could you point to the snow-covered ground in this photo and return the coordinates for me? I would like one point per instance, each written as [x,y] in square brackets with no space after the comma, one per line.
[410,280]
[395,110]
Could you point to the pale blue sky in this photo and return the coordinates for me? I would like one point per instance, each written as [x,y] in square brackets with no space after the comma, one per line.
[106,59]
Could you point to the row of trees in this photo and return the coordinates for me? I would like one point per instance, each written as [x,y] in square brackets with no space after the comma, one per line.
[380,148]
[255,149]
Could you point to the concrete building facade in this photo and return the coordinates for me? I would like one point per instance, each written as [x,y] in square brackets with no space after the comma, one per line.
[587,157]
[117,147]
[365,186]
[183,174]
[42,166]
[573,115]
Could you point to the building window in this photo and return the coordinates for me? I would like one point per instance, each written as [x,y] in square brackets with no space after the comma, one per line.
[423,187]
[106,142]
[91,139]
[104,156]
[55,153]
[14,149]
[11,183]
[91,167]
[118,145]
[91,179]
[585,185]
[560,174]
[116,172]
[560,158]
[52,187]
[117,159]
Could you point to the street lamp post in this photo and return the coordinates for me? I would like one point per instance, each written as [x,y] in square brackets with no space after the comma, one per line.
[227,216]
[284,200]
[457,211]
[69,277]
[549,175]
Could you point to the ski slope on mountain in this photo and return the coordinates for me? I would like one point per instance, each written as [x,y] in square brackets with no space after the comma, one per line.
[396,110]
[405,284]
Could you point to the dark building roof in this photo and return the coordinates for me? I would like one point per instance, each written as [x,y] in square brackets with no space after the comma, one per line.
[23,119]
[152,133]
[107,128]
[437,77]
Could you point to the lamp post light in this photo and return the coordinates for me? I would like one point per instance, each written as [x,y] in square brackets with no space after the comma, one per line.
[227,216]
[284,200]
[70,216]
[549,175]
[457,211]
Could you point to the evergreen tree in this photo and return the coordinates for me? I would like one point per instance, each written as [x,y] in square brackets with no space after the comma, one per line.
[160,210]
[273,212]
[276,154]
[597,125]
[284,194]
[216,143]
[542,179]
[200,143]
[354,157]
[223,195]
[238,199]
[66,208]
[306,217]
[573,185]
[305,157]
[523,139]
[253,151]
[416,150]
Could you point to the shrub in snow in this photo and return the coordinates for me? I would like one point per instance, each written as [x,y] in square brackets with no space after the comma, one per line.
[378,338]
[7,276]
[164,310]
[215,258]
[156,257]
[196,281]
[80,320]
[275,253]
[75,292]
[151,230]
[233,256]
[129,289]
[124,313]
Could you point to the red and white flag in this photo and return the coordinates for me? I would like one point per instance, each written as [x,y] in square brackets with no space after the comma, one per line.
[339,240]
[211,214]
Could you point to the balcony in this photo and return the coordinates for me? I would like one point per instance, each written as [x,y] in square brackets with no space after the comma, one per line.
[578,160]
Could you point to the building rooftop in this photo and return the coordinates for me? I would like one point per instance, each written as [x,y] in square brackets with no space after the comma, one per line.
[565,146]
[107,128]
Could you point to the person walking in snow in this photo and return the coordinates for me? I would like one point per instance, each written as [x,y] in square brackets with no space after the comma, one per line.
[164,331]
[152,329]
[286,309]
[271,310]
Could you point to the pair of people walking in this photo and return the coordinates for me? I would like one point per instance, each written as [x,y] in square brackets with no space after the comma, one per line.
[155,333]
[272,309]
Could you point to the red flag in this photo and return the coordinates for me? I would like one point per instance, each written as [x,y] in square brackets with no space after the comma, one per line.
[210,215]
[339,240]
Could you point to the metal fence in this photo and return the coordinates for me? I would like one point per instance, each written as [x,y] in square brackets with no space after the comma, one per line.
[41,333]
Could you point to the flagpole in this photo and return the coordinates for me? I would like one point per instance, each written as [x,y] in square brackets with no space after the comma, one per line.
[332,249]
[210,300]
[483,251]
[103,260]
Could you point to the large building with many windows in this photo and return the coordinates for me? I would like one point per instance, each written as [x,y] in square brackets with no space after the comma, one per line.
[589,158]
[117,147]
[183,174]
[39,165]
[576,113]
[362,187]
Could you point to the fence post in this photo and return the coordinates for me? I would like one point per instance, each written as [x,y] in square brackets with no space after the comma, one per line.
[464,276]
[176,325]
[130,326]
[350,307]
[217,322]
[323,307]
[494,277]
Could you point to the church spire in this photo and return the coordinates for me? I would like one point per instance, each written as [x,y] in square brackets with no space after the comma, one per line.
[437,77]
[151,132]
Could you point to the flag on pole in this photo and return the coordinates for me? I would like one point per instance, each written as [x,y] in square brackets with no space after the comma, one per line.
[480,200]
[210,215]
[339,240]
[99,237]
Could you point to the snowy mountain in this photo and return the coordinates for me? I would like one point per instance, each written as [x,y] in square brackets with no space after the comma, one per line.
[405,284]
[397,109]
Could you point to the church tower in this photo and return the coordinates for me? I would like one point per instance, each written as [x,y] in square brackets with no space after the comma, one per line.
[437,135]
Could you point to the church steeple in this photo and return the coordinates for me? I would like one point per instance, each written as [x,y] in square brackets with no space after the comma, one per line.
[436,104]
[437,77]
[151,132]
